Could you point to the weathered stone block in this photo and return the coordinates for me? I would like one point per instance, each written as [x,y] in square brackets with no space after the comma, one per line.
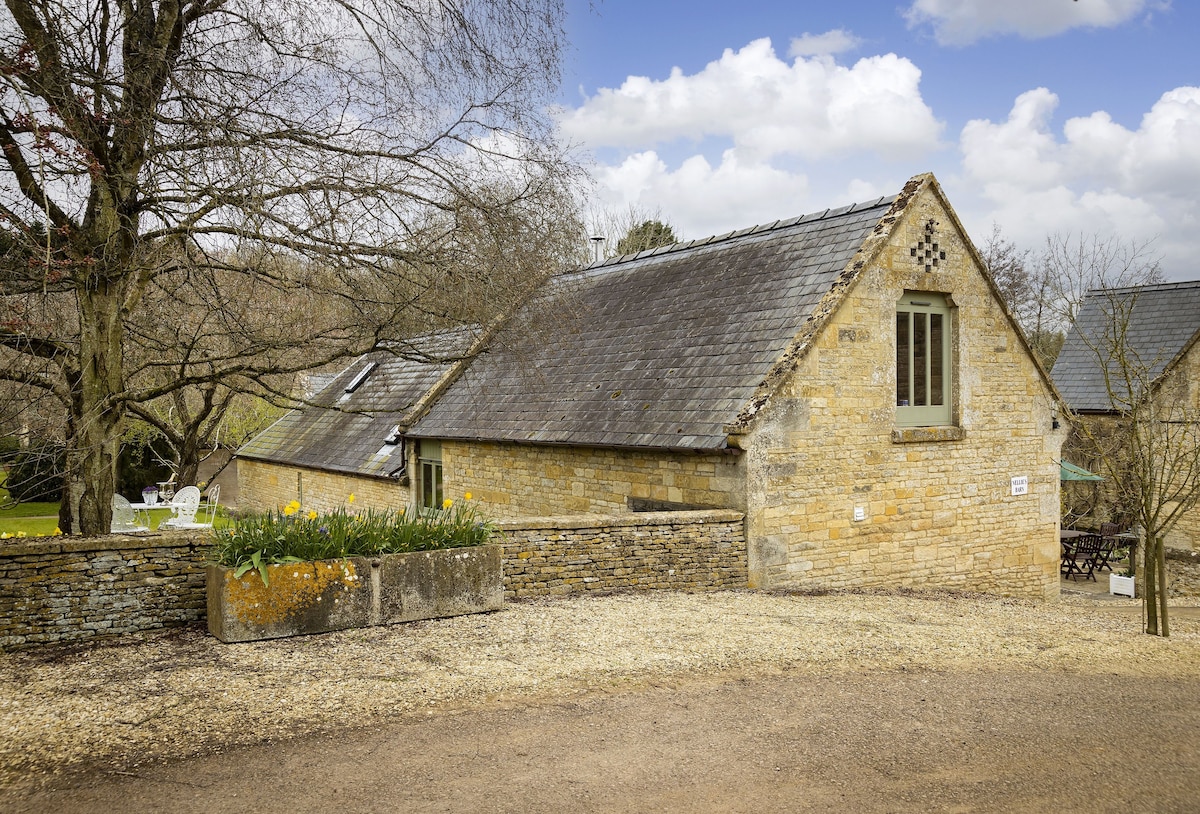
[318,597]
[433,584]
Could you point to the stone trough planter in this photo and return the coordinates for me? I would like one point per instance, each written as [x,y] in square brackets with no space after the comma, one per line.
[325,595]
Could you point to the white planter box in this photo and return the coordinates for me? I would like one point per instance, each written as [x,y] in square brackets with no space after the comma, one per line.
[1120,586]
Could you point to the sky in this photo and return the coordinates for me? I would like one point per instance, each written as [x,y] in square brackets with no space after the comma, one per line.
[1046,118]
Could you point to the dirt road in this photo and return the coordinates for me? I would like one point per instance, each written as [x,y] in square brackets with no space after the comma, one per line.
[897,742]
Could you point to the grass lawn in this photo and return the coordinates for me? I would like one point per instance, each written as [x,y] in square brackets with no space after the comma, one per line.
[22,518]
[29,526]
[41,519]
[27,509]
[34,519]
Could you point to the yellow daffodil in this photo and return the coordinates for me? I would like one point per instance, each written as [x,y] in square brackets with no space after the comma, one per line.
[351,498]
[467,496]
[291,508]
[447,503]
[312,515]
[57,531]
[5,536]
[21,534]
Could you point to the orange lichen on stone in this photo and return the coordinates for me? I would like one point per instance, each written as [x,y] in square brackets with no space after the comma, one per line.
[293,588]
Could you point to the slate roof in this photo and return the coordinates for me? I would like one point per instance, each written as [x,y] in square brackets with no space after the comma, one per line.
[1164,321]
[660,349]
[347,439]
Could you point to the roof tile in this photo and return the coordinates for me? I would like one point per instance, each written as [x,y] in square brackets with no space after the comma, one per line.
[660,350]
[1162,320]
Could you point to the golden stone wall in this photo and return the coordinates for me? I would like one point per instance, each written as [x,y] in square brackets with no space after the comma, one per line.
[265,486]
[523,480]
[936,504]
[1186,534]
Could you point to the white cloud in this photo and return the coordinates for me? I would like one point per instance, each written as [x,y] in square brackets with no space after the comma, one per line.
[962,22]
[1164,153]
[1019,151]
[701,199]
[811,108]
[831,42]
[752,137]
[1097,177]
[1161,157]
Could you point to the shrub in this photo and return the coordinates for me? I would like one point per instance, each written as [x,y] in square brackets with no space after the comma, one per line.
[10,447]
[294,535]
[141,463]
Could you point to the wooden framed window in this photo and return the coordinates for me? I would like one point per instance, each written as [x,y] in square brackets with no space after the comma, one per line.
[429,473]
[924,360]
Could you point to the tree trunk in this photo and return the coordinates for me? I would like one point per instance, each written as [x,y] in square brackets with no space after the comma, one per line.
[188,462]
[1162,587]
[96,440]
[1150,595]
[1154,596]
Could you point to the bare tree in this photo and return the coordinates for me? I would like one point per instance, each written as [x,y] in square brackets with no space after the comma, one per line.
[237,155]
[478,264]
[1144,432]
[1025,288]
[1009,267]
[196,421]
[1131,391]
[1072,265]
[1044,291]
[628,232]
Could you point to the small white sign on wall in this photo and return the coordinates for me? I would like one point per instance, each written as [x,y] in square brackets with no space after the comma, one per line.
[1020,485]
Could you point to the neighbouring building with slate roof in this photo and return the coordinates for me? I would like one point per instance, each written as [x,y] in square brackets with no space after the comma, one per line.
[849,380]
[1159,330]
[351,428]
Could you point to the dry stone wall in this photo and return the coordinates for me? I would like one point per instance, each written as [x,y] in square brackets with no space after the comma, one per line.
[63,589]
[557,556]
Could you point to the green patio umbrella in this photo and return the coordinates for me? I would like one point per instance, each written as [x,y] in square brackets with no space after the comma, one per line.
[1069,471]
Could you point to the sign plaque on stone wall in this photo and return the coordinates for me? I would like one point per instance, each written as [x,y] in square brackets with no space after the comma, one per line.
[1020,485]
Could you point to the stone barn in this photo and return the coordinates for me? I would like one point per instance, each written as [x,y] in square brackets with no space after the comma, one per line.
[849,380]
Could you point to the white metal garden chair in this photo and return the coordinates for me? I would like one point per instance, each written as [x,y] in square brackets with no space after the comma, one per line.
[124,520]
[210,504]
[184,505]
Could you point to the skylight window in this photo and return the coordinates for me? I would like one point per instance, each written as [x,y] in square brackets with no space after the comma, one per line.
[357,381]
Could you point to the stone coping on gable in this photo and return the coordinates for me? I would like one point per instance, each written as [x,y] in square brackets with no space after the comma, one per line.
[584,521]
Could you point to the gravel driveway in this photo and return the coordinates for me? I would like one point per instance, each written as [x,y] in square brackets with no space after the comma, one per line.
[99,711]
